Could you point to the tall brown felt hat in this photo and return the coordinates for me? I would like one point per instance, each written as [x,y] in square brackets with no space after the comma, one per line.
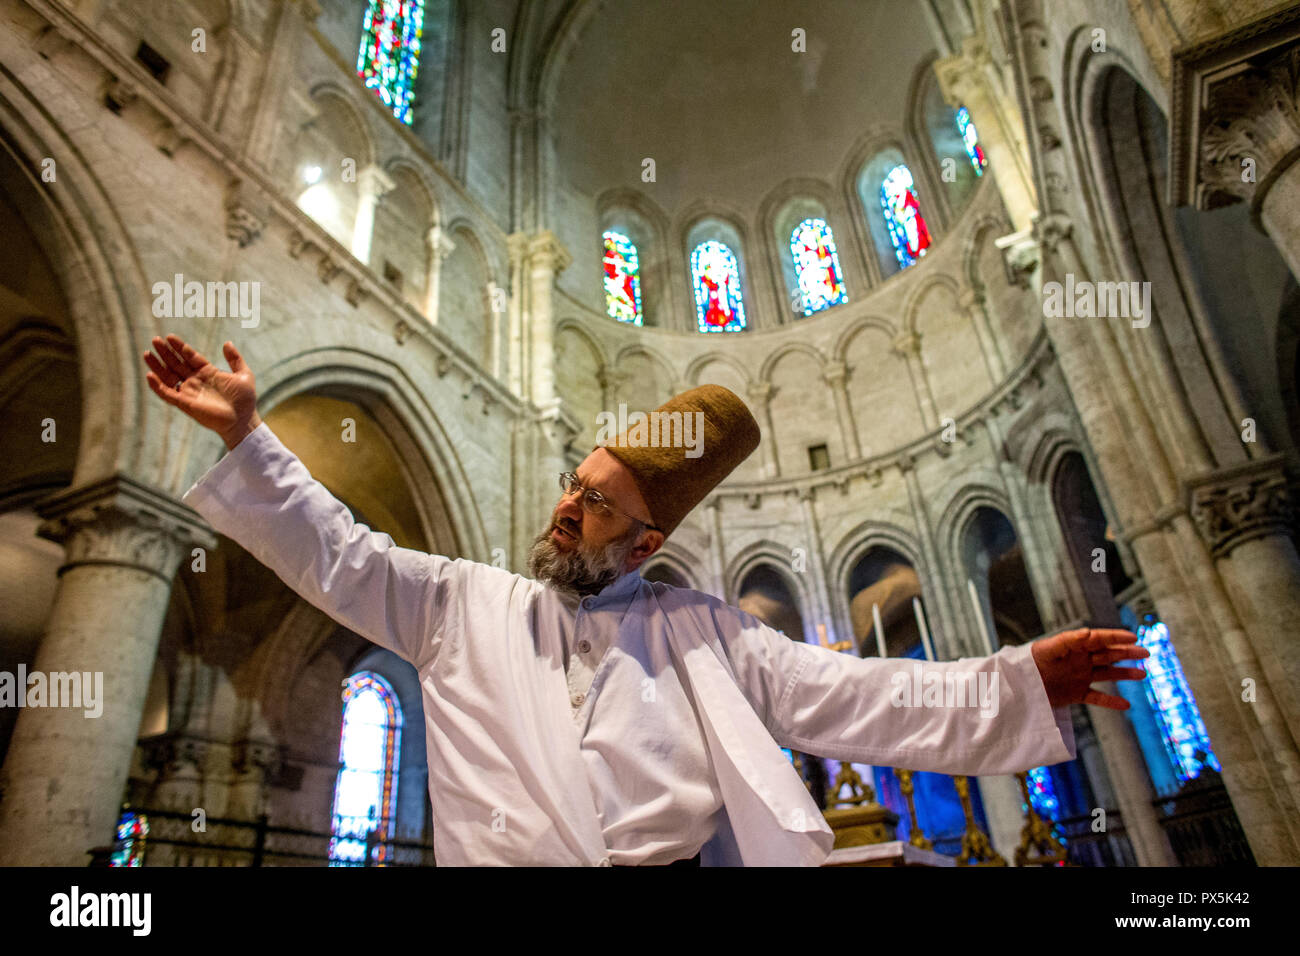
[672,477]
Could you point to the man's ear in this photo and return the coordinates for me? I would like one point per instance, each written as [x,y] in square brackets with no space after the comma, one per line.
[651,541]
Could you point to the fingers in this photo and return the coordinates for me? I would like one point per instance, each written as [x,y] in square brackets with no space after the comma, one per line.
[1098,699]
[1112,654]
[170,357]
[166,375]
[237,363]
[1118,673]
[192,358]
[166,393]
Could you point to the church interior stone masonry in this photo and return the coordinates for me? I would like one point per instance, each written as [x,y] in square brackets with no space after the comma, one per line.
[1010,287]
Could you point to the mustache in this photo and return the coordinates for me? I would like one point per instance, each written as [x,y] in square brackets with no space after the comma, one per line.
[566,525]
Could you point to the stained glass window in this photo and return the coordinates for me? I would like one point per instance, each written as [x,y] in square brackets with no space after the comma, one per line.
[903,216]
[1186,741]
[817,266]
[366,793]
[390,52]
[1042,792]
[132,832]
[622,279]
[971,139]
[716,276]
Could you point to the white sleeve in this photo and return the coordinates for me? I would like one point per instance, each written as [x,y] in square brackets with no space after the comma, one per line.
[262,497]
[868,710]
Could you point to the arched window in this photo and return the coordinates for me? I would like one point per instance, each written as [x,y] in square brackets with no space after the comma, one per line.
[365,796]
[622,278]
[1182,732]
[902,211]
[817,266]
[971,139]
[716,277]
[390,52]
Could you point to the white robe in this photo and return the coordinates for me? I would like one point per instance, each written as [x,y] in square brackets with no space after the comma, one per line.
[507,783]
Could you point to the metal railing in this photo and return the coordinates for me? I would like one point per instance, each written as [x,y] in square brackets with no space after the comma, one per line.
[172,840]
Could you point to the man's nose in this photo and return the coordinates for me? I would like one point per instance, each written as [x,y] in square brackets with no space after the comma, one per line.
[569,508]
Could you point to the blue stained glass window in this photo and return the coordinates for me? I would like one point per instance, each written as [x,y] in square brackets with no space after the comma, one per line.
[366,792]
[1042,793]
[1183,733]
[715,274]
[902,209]
[622,279]
[971,139]
[817,266]
[390,52]
[132,833]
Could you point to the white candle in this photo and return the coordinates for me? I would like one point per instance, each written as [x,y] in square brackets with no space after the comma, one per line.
[880,631]
[979,616]
[925,631]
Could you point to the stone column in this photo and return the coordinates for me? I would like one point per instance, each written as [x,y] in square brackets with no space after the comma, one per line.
[1081,352]
[63,779]
[820,591]
[972,301]
[972,79]
[1041,574]
[908,347]
[438,246]
[760,396]
[280,60]
[1244,514]
[372,183]
[1003,808]
[516,366]
[546,258]
[717,552]
[947,635]
[836,376]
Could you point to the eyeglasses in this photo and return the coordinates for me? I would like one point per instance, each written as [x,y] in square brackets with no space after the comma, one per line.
[593,501]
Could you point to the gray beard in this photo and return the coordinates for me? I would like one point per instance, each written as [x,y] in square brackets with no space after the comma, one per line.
[579,571]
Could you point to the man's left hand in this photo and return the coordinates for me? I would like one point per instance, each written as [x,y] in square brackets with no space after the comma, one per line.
[1072,661]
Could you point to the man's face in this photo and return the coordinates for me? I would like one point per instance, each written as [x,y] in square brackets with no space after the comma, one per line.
[584,552]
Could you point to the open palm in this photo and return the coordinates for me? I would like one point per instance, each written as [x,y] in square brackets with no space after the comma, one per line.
[225,402]
[1071,662]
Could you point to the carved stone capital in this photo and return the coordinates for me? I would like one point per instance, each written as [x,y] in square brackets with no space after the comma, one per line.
[545,253]
[121,522]
[962,75]
[1241,504]
[907,345]
[1252,132]
[970,298]
[1235,112]
[760,393]
[373,182]
[257,755]
[172,752]
[835,374]
[439,243]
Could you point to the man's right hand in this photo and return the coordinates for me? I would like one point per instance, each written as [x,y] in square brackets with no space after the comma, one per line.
[226,402]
